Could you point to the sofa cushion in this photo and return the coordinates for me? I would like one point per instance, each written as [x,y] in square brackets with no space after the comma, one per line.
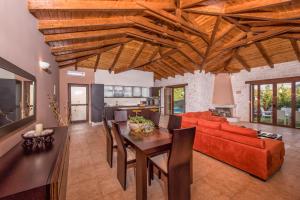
[254,142]
[190,114]
[239,130]
[218,119]
[188,122]
[209,124]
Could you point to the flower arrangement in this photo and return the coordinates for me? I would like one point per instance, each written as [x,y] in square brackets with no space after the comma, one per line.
[55,110]
[140,126]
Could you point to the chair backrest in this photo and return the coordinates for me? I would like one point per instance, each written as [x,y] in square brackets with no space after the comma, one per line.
[182,147]
[108,130]
[120,116]
[120,142]
[174,122]
[155,118]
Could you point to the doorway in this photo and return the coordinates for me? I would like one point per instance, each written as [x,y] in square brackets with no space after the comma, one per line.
[175,99]
[78,103]
[276,102]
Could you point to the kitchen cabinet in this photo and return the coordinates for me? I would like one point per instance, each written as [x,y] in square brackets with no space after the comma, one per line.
[108,91]
[137,92]
[127,91]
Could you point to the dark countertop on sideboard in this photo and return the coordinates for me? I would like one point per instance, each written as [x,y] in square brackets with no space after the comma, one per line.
[20,172]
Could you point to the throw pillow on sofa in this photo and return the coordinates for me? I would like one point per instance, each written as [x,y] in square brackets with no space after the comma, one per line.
[239,130]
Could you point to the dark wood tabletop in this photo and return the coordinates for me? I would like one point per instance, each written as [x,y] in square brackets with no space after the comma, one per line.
[20,172]
[159,141]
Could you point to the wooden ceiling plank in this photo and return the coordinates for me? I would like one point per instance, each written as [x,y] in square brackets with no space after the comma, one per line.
[212,38]
[97,62]
[242,61]
[185,67]
[260,29]
[178,70]
[236,22]
[168,17]
[154,53]
[155,70]
[88,45]
[113,22]
[159,67]
[184,54]
[255,23]
[84,53]
[224,32]
[264,53]
[137,54]
[254,5]
[191,3]
[116,58]
[145,23]
[295,48]
[256,38]
[121,6]
[87,34]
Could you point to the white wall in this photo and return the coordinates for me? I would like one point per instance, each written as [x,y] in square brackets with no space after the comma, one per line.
[128,78]
[198,91]
[23,45]
[241,90]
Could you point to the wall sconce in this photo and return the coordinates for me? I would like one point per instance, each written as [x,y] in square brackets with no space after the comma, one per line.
[44,65]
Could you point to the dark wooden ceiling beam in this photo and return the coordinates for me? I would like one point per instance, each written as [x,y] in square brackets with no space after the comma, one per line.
[295,46]
[264,54]
[97,62]
[242,61]
[137,54]
[116,58]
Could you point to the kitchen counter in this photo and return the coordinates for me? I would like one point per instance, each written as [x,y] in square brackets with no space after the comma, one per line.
[109,110]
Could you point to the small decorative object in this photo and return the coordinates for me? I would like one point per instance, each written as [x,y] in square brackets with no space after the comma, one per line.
[39,128]
[140,126]
[54,106]
[37,141]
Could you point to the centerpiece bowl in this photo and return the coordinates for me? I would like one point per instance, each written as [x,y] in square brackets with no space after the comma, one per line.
[138,125]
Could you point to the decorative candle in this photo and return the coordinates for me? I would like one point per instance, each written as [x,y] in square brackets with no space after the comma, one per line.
[39,128]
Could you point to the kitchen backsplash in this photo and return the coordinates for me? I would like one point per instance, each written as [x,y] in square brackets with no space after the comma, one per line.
[123,101]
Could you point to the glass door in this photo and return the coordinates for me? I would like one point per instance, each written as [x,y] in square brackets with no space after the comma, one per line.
[297,110]
[78,98]
[178,100]
[284,104]
[266,104]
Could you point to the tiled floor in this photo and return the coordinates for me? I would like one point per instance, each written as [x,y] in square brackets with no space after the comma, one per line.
[91,178]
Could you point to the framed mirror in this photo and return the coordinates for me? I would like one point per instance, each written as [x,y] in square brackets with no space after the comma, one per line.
[17,97]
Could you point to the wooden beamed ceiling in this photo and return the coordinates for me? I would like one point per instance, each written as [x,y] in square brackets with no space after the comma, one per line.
[170,37]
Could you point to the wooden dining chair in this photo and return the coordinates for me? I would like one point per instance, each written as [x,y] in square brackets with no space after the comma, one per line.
[174,122]
[120,116]
[125,156]
[111,144]
[175,165]
[155,118]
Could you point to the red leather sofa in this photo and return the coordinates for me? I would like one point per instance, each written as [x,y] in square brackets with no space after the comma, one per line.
[237,146]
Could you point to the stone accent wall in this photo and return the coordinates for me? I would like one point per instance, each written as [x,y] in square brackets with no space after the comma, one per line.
[198,91]
[241,90]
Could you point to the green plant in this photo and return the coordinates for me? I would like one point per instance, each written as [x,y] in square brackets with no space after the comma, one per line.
[140,120]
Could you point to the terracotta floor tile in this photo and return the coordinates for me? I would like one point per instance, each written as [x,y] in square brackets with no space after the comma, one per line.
[90,177]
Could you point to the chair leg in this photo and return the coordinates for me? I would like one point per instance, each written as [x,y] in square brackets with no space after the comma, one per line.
[150,173]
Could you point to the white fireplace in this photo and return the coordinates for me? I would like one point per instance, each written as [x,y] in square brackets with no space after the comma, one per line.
[223,101]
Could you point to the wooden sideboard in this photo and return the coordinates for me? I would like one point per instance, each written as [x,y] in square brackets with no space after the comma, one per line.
[36,176]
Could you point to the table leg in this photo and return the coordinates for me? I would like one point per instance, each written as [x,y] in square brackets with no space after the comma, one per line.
[141,175]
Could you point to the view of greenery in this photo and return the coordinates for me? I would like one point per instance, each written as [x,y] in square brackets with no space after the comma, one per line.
[178,100]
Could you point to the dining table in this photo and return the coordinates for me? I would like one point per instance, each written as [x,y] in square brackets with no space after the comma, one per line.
[158,141]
